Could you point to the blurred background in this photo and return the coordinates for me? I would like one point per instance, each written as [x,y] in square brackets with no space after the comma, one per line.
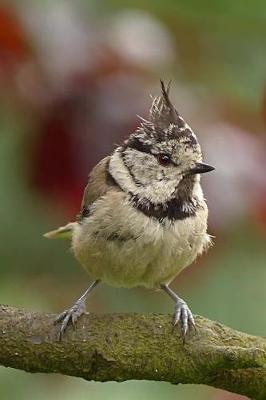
[73,76]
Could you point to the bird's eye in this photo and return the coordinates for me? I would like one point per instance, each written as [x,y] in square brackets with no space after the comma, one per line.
[164,159]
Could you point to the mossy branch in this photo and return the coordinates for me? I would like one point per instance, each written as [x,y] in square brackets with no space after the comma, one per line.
[119,347]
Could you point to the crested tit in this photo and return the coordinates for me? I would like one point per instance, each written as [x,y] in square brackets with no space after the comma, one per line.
[143,216]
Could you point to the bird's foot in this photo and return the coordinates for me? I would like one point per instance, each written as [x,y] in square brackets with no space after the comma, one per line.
[184,316]
[70,316]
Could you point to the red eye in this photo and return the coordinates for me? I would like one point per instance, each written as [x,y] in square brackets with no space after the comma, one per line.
[164,159]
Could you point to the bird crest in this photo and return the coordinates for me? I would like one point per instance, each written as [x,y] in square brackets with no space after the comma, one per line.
[164,121]
[162,112]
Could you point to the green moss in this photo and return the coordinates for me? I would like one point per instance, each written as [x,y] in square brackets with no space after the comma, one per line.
[119,347]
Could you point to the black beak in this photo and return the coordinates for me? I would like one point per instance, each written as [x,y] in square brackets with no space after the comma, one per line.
[200,168]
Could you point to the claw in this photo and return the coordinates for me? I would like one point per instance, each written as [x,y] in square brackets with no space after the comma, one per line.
[184,316]
[182,313]
[71,315]
[177,314]
[60,317]
[75,311]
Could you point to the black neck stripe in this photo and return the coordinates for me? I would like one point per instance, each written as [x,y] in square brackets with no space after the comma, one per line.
[174,209]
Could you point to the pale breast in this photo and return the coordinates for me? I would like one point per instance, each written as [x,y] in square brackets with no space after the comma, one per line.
[123,247]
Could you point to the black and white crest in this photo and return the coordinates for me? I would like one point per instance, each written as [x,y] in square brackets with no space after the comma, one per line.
[164,124]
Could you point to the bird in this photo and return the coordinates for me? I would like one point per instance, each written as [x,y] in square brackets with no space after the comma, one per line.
[143,216]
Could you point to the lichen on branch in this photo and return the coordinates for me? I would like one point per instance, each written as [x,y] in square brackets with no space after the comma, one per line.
[119,347]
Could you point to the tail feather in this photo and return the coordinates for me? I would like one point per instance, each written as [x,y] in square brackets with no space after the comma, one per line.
[64,232]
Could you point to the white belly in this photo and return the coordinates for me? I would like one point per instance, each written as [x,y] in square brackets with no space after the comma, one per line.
[122,247]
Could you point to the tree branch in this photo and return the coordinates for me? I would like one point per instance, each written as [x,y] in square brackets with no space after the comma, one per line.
[118,347]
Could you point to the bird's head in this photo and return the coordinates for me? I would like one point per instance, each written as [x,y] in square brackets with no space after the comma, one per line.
[162,157]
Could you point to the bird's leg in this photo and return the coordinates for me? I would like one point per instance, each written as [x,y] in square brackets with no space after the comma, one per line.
[75,311]
[182,312]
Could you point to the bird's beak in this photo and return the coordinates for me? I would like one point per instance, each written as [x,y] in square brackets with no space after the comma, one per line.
[200,168]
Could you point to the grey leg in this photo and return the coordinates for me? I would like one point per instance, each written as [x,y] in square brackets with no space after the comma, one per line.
[182,312]
[75,311]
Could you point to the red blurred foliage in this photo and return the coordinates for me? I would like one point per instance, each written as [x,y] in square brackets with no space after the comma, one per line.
[54,160]
[14,45]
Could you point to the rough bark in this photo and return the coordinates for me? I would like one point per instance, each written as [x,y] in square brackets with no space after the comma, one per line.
[119,347]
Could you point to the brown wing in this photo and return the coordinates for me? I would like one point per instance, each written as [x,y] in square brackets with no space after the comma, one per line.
[99,183]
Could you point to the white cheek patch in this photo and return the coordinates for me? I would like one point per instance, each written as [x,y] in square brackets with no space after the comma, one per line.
[144,167]
[157,191]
